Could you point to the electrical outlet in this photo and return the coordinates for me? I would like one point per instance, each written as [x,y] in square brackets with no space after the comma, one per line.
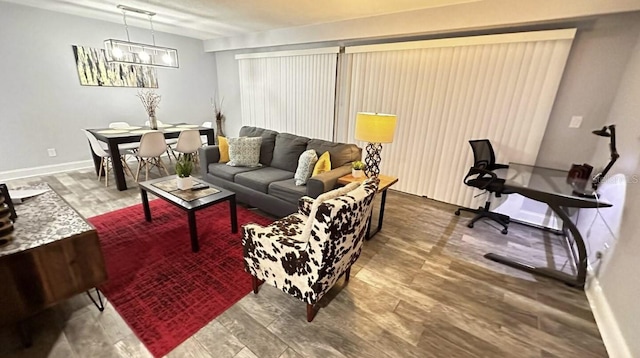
[576,122]
[52,152]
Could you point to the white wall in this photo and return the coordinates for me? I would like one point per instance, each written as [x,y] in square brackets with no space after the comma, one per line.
[43,105]
[618,275]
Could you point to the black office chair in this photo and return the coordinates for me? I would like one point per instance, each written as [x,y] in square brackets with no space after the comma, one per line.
[481,176]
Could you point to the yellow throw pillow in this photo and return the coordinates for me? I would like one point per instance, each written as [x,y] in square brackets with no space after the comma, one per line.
[223,145]
[323,164]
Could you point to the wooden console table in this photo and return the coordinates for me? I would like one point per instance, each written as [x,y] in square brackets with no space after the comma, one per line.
[385,183]
[54,254]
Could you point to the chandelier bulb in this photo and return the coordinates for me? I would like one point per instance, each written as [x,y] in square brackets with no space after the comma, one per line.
[143,56]
[166,58]
[116,52]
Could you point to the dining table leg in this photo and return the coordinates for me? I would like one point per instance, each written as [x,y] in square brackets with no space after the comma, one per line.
[118,170]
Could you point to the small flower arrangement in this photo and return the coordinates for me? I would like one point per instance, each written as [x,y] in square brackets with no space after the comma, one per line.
[150,100]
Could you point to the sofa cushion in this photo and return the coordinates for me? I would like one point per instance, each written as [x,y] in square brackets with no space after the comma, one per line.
[268,141]
[323,164]
[341,153]
[223,144]
[287,151]
[223,171]
[244,151]
[306,163]
[260,179]
[287,190]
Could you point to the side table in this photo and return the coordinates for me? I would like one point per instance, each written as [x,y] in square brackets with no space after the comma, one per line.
[385,183]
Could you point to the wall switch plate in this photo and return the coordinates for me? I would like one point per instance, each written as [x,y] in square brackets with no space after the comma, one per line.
[52,152]
[576,122]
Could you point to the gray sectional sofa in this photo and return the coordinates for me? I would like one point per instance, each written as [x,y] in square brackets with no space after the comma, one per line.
[271,187]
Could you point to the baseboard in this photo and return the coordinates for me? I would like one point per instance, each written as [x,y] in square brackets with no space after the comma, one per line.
[44,170]
[609,330]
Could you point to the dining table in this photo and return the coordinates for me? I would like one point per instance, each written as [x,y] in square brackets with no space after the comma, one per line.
[113,137]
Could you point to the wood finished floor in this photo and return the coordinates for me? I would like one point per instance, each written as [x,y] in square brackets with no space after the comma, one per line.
[420,289]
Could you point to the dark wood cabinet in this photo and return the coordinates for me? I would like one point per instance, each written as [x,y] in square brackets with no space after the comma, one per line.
[55,254]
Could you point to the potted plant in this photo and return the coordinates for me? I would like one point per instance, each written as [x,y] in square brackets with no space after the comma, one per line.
[357,169]
[184,167]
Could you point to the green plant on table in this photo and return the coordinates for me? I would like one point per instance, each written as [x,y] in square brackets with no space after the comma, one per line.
[184,166]
[357,165]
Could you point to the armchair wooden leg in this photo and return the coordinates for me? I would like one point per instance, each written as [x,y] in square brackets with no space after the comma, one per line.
[347,274]
[255,283]
[311,312]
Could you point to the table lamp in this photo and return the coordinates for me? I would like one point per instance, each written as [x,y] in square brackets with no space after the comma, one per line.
[375,128]
[606,131]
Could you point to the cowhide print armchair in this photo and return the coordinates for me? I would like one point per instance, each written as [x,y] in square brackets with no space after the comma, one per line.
[304,254]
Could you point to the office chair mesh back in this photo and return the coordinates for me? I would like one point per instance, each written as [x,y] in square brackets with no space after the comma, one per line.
[483,155]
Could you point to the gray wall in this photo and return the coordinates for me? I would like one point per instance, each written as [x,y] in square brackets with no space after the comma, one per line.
[595,66]
[43,105]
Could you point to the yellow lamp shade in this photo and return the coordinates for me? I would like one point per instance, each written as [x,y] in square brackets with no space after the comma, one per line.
[375,127]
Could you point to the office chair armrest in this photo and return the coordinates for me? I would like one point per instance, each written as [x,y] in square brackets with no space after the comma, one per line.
[480,174]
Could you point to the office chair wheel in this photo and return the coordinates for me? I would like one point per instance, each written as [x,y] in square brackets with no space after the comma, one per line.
[457,212]
[470,225]
[504,231]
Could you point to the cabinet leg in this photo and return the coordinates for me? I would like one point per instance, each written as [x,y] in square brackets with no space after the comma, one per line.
[98,303]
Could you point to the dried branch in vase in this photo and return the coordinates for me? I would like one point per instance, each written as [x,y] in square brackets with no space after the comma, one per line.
[150,100]
[217,109]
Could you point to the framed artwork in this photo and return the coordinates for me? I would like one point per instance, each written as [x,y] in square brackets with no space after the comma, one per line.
[93,70]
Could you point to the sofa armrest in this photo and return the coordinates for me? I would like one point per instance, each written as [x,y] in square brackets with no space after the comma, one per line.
[209,154]
[326,181]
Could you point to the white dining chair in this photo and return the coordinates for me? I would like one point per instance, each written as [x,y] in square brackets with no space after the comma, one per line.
[105,157]
[125,148]
[188,143]
[152,146]
[170,142]
[203,138]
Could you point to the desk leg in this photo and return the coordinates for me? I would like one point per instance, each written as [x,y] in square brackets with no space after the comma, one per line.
[145,204]
[210,136]
[118,170]
[233,214]
[193,231]
[573,281]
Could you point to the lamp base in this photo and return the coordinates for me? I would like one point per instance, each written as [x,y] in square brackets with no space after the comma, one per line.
[373,159]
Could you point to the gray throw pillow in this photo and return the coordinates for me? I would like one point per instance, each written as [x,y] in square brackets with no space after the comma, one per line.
[244,151]
[306,162]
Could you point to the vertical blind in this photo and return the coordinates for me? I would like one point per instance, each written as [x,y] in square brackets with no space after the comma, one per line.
[290,91]
[445,92]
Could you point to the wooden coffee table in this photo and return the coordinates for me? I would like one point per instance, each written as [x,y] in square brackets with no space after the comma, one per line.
[189,201]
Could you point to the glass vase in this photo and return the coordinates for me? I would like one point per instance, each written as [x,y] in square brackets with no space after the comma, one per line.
[153,123]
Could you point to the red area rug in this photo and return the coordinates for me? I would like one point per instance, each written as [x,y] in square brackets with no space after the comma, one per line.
[161,289]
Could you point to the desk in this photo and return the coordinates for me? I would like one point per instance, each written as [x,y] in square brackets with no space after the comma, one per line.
[130,136]
[54,255]
[385,183]
[550,187]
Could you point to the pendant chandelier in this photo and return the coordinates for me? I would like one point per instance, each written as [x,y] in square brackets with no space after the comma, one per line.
[132,53]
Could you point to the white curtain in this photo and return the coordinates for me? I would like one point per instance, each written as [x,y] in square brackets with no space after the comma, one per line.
[290,91]
[445,92]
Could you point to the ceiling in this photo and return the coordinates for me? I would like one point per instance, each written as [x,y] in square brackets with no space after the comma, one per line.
[210,19]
